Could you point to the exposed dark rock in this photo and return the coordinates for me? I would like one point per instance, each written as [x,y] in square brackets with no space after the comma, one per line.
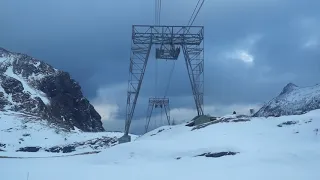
[3,100]
[242,118]
[64,149]
[11,85]
[309,121]
[287,123]
[94,144]
[288,88]
[159,131]
[29,149]
[3,145]
[190,124]
[206,120]
[68,104]
[20,97]
[218,154]
[55,96]
[213,118]
[97,143]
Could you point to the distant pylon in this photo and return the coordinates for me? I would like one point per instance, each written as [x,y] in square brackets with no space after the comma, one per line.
[162,103]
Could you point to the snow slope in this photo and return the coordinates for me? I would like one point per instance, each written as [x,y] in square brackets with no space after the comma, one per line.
[18,130]
[268,148]
[293,100]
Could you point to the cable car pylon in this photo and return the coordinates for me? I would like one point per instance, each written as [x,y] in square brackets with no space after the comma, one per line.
[188,38]
[171,40]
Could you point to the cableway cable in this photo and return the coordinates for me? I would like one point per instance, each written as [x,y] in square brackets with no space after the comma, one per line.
[195,12]
[170,77]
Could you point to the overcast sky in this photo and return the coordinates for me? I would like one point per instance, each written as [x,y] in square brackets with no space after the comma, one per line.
[253,48]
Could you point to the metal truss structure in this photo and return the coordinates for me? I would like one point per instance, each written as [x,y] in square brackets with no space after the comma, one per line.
[170,39]
[154,103]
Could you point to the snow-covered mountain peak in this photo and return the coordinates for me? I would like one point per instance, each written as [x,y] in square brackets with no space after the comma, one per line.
[293,100]
[288,88]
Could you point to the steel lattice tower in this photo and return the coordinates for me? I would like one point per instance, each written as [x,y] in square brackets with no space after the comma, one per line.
[189,38]
[155,103]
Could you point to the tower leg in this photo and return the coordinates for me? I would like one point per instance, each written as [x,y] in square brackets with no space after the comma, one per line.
[138,63]
[149,113]
[167,111]
[194,59]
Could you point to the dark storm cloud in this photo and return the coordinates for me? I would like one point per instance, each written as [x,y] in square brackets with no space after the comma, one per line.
[91,40]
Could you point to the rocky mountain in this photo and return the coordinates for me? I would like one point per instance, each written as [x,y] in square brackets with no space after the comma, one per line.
[293,100]
[33,87]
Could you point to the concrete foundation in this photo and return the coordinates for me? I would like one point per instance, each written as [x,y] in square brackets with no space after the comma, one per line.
[124,139]
[201,119]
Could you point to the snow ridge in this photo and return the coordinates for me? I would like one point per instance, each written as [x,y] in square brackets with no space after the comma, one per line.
[293,100]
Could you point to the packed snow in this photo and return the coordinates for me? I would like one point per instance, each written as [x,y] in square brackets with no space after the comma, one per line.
[265,151]
[37,64]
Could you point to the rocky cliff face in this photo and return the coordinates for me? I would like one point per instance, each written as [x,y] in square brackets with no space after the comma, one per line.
[293,100]
[34,87]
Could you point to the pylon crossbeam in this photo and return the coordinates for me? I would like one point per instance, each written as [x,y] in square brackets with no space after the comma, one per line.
[195,72]
[180,35]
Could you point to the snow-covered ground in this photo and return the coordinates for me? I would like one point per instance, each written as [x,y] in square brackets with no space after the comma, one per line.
[20,130]
[269,148]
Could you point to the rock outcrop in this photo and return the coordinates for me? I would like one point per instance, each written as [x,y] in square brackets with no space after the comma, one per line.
[34,87]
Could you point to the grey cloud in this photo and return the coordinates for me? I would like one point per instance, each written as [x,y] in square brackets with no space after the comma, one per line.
[91,40]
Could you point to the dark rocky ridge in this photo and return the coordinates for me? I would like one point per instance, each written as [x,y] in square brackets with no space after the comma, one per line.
[34,87]
[94,144]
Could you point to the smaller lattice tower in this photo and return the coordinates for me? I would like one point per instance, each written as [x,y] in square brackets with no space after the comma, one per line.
[157,103]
